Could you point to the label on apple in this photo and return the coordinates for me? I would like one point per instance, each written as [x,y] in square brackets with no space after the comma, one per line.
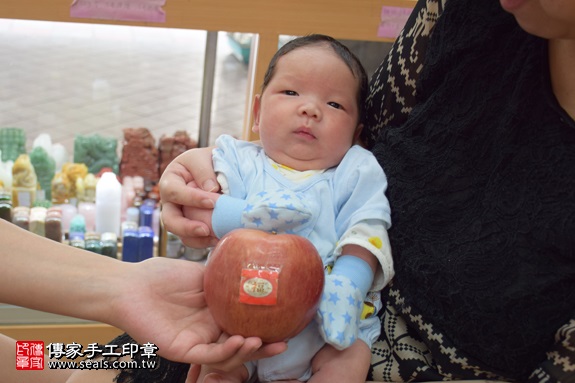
[259,287]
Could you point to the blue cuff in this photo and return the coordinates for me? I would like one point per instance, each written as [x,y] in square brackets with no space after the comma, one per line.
[356,269]
[227,215]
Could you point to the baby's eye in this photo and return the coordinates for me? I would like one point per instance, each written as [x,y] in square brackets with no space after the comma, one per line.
[290,93]
[335,105]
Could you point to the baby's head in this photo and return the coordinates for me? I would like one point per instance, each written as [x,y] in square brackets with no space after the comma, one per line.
[338,48]
[311,106]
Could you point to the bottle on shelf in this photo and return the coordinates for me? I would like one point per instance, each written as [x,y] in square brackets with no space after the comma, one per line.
[110,245]
[53,225]
[108,204]
[5,206]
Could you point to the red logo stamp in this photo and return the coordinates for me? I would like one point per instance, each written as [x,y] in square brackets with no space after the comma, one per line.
[29,355]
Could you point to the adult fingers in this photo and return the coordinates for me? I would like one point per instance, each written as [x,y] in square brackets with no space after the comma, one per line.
[201,168]
[176,189]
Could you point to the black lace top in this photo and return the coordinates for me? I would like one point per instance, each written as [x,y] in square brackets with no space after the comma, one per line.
[481,184]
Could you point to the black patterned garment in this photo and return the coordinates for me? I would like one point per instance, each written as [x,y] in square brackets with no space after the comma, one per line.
[480,160]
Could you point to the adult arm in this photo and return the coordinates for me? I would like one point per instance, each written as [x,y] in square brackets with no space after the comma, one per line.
[159,300]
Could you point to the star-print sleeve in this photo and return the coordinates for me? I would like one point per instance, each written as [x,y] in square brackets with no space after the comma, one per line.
[279,211]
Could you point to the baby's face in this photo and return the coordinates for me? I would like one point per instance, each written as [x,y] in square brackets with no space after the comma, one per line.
[307,116]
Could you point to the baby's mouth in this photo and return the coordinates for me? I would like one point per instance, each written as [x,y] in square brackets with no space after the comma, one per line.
[305,132]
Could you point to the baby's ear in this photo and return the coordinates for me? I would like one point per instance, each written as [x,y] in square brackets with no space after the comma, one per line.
[358,130]
[256,112]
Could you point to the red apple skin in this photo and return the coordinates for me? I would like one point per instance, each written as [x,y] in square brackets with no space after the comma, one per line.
[295,299]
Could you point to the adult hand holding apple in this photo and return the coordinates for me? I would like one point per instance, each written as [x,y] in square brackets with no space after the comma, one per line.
[263,285]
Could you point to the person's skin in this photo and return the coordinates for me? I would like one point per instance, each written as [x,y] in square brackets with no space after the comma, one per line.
[307,116]
[192,186]
[553,20]
[42,274]
[327,367]
[11,375]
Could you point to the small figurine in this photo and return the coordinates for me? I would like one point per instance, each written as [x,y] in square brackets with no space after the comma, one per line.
[74,171]
[45,168]
[24,181]
[61,188]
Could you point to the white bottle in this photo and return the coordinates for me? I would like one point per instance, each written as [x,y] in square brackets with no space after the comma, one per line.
[108,204]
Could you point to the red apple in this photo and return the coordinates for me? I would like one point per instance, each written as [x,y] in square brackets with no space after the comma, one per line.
[263,285]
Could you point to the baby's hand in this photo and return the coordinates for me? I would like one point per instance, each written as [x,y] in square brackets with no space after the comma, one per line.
[339,311]
[200,215]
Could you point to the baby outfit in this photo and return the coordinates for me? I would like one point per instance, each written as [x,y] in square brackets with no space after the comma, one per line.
[330,207]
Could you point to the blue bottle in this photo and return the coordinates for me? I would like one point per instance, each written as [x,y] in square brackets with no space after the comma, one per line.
[130,245]
[147,213]
[146,242]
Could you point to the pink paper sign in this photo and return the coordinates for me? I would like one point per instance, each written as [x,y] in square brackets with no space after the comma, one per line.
[120,10]
[393,20]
